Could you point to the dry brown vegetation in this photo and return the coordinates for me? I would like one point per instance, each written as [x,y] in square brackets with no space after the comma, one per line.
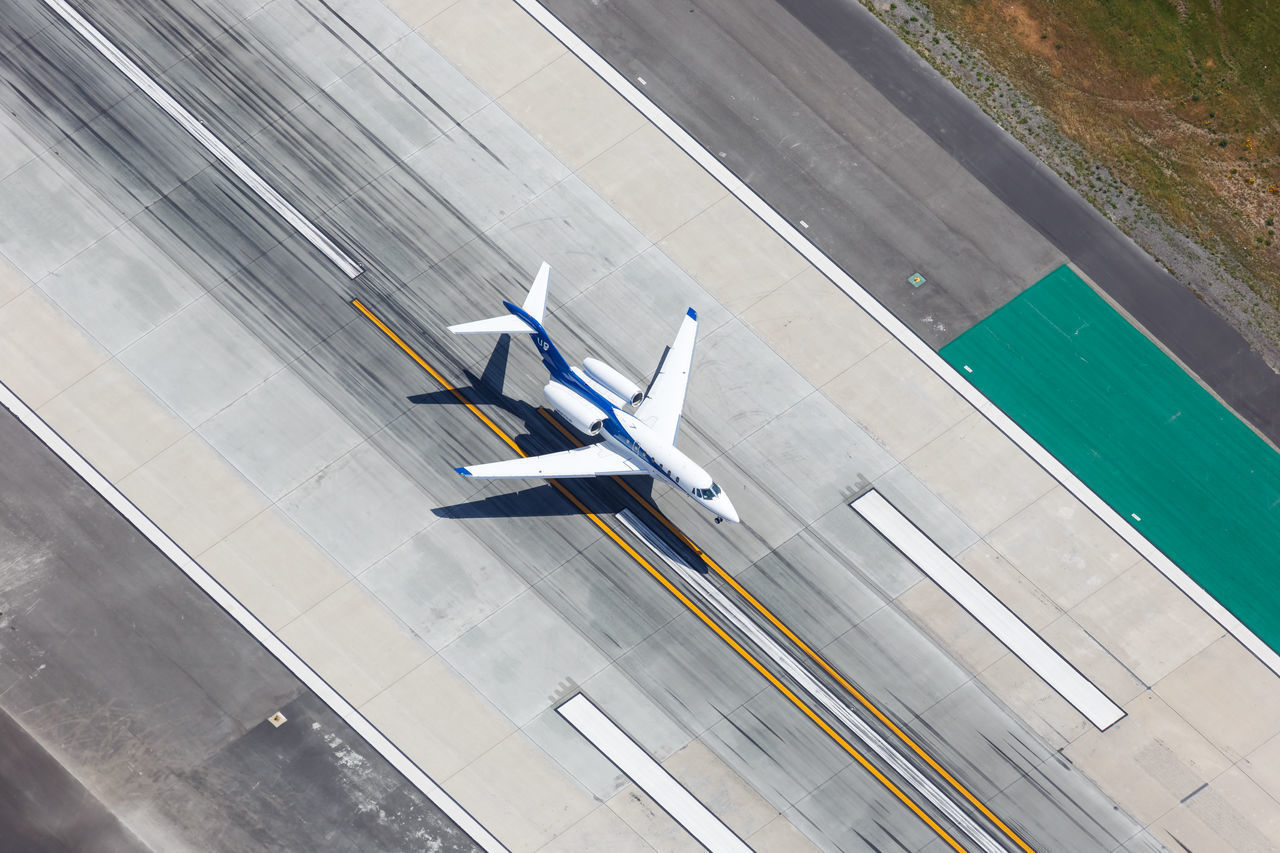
[1178,99]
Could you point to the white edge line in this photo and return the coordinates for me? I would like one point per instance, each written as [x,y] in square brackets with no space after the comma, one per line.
[1268,656]
[204,136]
[816,690]
[241,614]
[650,776]
[970,594]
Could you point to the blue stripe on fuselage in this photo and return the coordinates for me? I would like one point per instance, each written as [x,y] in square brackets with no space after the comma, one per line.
[556,364]
[561,372]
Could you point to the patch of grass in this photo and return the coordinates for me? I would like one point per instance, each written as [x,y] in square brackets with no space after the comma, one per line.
[1180,99]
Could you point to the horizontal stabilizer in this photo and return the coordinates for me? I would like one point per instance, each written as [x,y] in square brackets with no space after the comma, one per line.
[508,324]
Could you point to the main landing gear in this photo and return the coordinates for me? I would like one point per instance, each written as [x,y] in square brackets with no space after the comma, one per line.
[718,519]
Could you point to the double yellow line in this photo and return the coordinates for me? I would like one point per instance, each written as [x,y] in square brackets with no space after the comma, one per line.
[720,632]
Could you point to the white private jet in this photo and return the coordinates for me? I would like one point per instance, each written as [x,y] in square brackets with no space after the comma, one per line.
[593,399]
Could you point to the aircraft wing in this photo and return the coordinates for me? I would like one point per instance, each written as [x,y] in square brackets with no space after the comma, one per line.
[662,407]
[594,460]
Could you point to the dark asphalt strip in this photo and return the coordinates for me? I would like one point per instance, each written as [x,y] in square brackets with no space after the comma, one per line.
[1189,328]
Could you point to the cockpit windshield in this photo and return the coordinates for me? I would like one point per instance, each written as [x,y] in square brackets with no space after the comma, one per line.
[707,494]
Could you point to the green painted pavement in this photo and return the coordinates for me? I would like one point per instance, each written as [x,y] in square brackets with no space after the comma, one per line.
[1130,423]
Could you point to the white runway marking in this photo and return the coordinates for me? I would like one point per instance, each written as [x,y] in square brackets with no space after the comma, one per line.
[987,609]
[241,614]
[730,613]
[901,332]
[650,776]
[202,134]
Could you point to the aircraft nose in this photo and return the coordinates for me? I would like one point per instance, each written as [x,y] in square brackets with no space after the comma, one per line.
[724,509]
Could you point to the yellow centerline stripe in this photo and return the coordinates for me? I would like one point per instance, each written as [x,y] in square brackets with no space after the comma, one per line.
[671,588]
[801,644]
[436,376]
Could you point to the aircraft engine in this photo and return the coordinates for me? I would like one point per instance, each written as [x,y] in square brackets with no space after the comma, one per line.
[577,411]
[613,380]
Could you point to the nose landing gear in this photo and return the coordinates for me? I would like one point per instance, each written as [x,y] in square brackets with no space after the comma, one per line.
[719,519]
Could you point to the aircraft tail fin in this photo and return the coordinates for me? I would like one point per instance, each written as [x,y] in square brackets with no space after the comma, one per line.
[535,305]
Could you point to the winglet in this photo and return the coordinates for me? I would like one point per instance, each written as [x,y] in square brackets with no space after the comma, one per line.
[463,471]
[692,315]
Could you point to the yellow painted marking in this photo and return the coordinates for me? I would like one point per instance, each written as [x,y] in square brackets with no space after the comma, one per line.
[803,646]
[671,588]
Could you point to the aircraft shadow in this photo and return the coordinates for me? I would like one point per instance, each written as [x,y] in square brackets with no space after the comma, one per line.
[601,496]
[532,502]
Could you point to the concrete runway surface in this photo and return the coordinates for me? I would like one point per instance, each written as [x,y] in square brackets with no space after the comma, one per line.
[304,414]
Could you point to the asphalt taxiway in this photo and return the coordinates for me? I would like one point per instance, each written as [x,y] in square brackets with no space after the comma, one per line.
[838,123]
[133,706]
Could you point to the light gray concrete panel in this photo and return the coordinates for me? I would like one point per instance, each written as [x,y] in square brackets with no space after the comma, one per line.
[58,82]
[487,180]
[729,400]
[407,97]
[888,658]
[156,35]
[981,743]
[636,712]
[120,288]
[19,23]
[199,361]
[398,119]
[409,225]
[609,597]
[212,83]
[1048,821]
[359,508]
[290,298]
[856,813]
[279,434]
[213,226]
[580,759]
[133,154]
[583,238]
[814,586]
[524,657]
[316,41]
[319,157]
[424,446]
[692,673]
[13,153]
[926,510]
[442,582]
[530,527]
[813,456]
[866,551]
[363,376]
[45,221]
[781,751]
[631,315]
